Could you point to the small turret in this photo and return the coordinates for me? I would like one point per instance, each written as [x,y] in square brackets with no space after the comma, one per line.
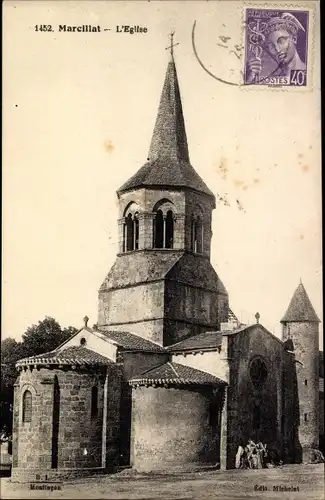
[301,327]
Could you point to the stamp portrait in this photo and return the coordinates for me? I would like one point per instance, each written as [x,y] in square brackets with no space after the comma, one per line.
[276,47]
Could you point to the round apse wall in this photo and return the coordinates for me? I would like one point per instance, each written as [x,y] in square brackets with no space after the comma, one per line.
[258,372]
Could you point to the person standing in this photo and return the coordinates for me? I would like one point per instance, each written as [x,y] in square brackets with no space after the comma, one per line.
[251,451]
[239,457]
[261,450]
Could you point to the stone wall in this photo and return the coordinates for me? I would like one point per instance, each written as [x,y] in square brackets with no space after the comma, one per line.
[195,299]
[254,411]
[321,422]
[163,296]
[135,363]
[64,434]
[32,445]
[111,434]
[304,337]
[292,451]
[321,413]
[141,302]
[146,201]
[172,427]
[191,306]
[198,203]
[80,434]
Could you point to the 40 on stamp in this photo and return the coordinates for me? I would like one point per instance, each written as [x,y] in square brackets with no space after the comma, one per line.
[276,47]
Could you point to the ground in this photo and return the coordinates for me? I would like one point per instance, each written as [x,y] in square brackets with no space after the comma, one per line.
[233,484]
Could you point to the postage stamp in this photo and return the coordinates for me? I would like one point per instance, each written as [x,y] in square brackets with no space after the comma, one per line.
[276,47]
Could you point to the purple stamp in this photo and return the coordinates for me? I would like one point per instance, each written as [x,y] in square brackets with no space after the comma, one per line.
[276,47]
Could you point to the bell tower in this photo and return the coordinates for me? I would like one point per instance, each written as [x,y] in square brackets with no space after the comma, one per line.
[301,330]
[162,285]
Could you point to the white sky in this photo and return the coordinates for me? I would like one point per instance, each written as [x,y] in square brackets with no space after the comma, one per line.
[78,113]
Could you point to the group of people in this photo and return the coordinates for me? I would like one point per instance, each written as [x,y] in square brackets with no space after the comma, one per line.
[253,456]
[258,456]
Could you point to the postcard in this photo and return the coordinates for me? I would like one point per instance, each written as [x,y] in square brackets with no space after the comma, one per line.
[162,291]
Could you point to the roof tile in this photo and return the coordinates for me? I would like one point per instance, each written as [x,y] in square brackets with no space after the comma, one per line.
[202,341]
[131,341]
[74,355]
[146,266]
[300,308]
[174,373]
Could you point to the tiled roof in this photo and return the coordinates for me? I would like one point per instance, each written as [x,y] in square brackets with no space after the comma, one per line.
[169,135]
[146,266]
[163,172]
[168,159]
[130,341]
[197,271]
[244,328]
[321,384]
[232,317]
[208,340]
[202,341]
[300,308]
[151,265]
[174,373]
[74,355]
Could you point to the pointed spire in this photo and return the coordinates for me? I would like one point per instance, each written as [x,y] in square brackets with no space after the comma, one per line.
[169,136]
[168,162]
[300,308]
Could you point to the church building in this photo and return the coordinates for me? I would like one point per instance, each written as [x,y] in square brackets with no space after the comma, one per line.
[168,378]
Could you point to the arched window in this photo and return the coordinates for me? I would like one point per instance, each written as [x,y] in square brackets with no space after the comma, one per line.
[163,230]
[193,235]
[94,402]
[258,372]
[27,406]
[169,232]
[197,234]
[136,231]
[129,233]
[163,224]
[159,230]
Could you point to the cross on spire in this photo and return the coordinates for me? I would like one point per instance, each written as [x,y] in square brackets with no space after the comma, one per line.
[172,44]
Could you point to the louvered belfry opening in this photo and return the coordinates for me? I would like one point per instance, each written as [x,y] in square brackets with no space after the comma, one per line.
[163,230]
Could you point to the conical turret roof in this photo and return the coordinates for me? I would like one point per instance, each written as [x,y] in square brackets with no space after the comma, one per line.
[168,162]
[300,308]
